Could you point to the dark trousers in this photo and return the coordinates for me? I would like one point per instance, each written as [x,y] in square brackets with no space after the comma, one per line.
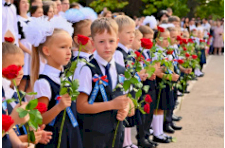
[93,139]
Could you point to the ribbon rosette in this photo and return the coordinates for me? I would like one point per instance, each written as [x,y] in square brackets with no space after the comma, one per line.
[99,82]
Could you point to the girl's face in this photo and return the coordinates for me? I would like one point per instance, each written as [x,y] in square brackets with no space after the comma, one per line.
[14,59]
[126,36]
[24,6]
[137,42]
[65,5]
[86,31]
[173,37]
[50,12]
[58,50]
[38,12]
[164,43]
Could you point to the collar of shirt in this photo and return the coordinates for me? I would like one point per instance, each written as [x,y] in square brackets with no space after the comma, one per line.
[146,54]
[103,62]
[123,47]
[52,73]
[160,48]
[7,89]
[82,54]
[23,19]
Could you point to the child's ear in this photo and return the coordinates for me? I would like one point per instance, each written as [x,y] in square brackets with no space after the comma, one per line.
[45,51]
[75,38]
[117,41]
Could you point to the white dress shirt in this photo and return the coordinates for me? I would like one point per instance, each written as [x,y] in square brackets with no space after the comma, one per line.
[119,56]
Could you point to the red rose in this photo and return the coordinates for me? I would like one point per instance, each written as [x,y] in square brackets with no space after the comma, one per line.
[194,56]
[180,61]
[190,41]
[11,72]
[181,42]
[148,99]
[82,39]
[146,43]
[7,122]
[179,38]
[184,41]
[169,52]
[148,60]
[9,39]
[41,107]
[208,34]
[184,48]
[160,29]
[139,57]
[147,108]
[201,41]
[187,55]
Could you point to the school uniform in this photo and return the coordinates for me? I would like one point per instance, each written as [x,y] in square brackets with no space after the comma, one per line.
[48,85]
[143,130]
[9,21]
[6,143]
[166,97]
[22,22]
[98,129]
[121,54]
[80,64]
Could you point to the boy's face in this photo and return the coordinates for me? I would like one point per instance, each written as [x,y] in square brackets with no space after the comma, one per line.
[137,42]
[194,33]
[149,36]
[106,44]
[14,59]
[126,36]
[173,37]
[164,43]
[176,23]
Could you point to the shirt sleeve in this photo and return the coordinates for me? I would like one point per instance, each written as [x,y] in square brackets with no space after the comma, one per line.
[118,56]
[85,80]
[43,89]
[77,70]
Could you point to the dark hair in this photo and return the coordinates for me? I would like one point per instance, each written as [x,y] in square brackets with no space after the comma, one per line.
[46,9]
[161,13]
[74,5]
[33,9]
[32,1]
[17,5]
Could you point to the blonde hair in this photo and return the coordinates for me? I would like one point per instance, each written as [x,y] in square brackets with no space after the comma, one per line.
[36,53]
[50,3]
[172,29]
[185,34]
[145,30]
[173,19]
[78,25]
[102,24]
[105,13]
[9,48]
[137,33]
[123,20]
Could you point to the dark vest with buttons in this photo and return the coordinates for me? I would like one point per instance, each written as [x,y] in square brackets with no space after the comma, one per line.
[6,143]
[151,83]
[106,121]
[125,56]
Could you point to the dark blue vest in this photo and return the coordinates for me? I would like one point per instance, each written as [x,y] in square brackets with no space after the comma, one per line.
[106,121]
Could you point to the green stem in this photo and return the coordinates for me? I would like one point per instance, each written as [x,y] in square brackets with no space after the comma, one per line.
[114,138]
[17,91]
[160,89]
[61,128]
[28,134]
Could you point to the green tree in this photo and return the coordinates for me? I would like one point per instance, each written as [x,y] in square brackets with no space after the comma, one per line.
[98,5]
[179,7]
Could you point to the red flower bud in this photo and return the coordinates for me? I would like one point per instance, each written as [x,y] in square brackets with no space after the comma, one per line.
[194,56]
[7,122]
[190,41]
[180,61]
[148,98]
[160,29]
[147,108]
[179,38]
[169,52]
[184,41]
[146,43]
[187,55]
[139,57]
[9,39]
[82,39]
[11,72]
[202,41]
[184,48]
[41,107]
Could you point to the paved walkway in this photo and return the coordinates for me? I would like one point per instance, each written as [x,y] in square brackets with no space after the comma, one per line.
[202,110]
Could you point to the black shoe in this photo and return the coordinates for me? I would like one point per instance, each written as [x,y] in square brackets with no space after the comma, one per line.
[145,144]
[153,143]
[175,118]
[187,92]
[168,129]
[159,140]
[176,127]
[167,137]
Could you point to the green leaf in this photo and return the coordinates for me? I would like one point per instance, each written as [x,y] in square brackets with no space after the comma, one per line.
[10,100]
[146,88]
[32,104]
[22,112]
[75,85]
[32,136]
[160,39]
[127,75]
[35,118]
[126,85]
[138,94]
[134,80]
[63,91]
[139,85]
[32,93]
